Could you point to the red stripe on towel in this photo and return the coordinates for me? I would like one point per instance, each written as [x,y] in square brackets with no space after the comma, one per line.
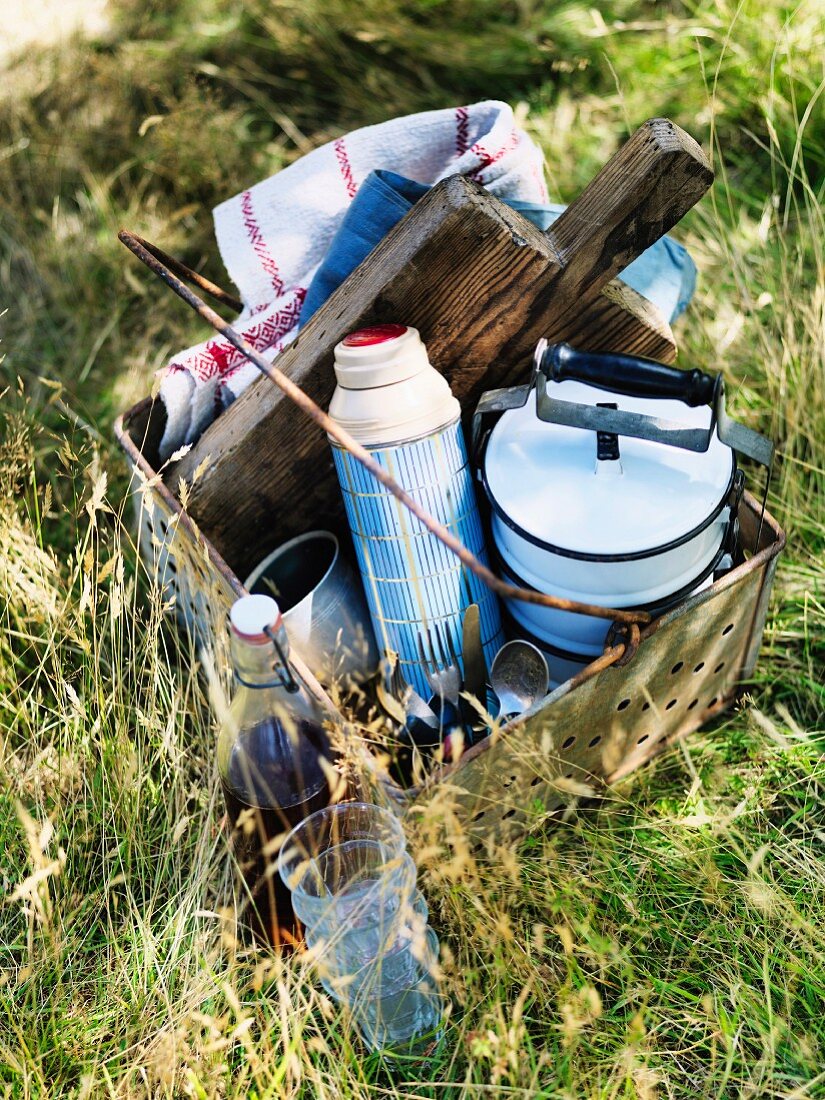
[221,358]
[538,176]
[345,166]
[259,244]
[462,130]
[488,159]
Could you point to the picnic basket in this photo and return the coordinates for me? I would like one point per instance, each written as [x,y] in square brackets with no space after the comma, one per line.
[656,682]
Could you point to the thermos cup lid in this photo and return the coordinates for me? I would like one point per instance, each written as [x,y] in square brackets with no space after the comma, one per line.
[388,392]
[375,334]
[252,615]
[378,356]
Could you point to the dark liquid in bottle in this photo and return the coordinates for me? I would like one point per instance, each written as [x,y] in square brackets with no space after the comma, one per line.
[273,781]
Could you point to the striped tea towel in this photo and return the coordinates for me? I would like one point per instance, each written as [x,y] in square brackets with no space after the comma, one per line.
[274,236]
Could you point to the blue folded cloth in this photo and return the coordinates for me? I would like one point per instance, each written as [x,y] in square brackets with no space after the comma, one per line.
[664,273]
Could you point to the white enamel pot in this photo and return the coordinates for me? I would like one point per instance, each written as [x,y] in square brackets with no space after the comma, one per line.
[583,636]
[621,522]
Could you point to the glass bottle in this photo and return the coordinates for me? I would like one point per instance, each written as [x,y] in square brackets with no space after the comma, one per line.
[274,759]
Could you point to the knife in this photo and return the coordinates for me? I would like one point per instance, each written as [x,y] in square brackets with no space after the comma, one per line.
[475,667]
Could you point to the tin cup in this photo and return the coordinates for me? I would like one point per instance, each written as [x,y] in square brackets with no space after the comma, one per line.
[322,604]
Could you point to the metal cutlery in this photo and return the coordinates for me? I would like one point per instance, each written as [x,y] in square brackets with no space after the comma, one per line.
[440,660]
[400,701]
[414,706]
[519,677]
[475,666]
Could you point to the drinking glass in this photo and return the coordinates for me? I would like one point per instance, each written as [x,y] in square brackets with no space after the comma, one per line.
[354,887]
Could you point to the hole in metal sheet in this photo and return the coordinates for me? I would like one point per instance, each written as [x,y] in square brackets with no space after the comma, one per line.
[692,704]
[570,741]
[727,629]
[671,704]
[719,667]
[595,741]
[625,703]
[679,665]
[508,814]
[699,667]
[643,738]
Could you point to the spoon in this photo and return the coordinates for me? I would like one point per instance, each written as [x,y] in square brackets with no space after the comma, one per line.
[519,677]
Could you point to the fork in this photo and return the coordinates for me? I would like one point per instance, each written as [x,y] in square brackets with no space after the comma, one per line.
[414,705]
[440,660]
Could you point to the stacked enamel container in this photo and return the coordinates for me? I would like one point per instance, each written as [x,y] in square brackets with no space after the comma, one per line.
[630,524]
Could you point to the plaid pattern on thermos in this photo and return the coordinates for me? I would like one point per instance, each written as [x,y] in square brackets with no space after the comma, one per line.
[412,581]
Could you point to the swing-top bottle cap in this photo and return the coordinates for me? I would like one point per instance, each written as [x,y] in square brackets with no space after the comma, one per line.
[252,616]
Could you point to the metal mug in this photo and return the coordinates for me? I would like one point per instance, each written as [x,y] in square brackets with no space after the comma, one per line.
[322,604]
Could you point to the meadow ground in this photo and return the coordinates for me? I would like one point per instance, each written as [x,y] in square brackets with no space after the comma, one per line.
[668,941]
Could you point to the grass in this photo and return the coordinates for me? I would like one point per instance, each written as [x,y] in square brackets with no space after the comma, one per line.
[667,942]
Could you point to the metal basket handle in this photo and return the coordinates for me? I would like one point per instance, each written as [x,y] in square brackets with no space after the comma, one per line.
[158,262]
[177,267]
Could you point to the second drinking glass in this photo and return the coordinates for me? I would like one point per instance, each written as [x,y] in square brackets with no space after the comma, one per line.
[353,885]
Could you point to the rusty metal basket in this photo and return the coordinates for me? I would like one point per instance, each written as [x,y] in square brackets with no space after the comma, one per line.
[655,684]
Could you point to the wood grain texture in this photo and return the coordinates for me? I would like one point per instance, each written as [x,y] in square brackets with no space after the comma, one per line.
[483,285]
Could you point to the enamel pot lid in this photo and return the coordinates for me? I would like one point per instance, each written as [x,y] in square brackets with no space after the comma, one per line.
[546,482]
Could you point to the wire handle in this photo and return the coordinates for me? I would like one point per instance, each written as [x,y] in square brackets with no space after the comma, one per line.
[157,262]
[180,269]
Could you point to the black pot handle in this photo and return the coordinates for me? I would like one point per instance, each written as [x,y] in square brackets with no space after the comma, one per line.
[625,374]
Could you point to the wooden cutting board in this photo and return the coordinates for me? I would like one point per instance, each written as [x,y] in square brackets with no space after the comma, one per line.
[482,285]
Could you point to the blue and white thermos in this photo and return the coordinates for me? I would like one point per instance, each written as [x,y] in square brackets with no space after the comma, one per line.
[395,403]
